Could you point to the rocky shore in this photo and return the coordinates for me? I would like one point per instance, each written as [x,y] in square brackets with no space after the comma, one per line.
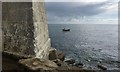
[56,62]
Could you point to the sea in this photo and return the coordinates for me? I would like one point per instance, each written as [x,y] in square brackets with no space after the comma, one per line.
[89,44]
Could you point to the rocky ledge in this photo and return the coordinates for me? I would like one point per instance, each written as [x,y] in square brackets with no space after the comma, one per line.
[54,63]
[38,64]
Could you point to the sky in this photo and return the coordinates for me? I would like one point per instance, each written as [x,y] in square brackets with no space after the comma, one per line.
[82,11]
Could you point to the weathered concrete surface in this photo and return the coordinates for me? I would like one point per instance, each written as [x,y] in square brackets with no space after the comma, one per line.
[18,28]
[42,41]
[15,56]
[25,29]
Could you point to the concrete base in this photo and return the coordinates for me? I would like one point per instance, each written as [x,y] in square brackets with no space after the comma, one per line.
[44,51]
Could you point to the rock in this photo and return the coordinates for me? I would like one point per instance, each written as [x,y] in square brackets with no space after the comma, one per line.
[100,61]
[77,69]
[56,60]
[38,64]
[79,65]
[74,68]
[100,48]
[101,67]
[61,56]
[61,65]
[71,61]
[52,55]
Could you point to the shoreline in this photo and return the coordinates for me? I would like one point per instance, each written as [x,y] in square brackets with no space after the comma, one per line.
[14,62]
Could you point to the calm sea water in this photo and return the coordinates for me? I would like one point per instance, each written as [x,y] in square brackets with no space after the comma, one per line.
[89,44]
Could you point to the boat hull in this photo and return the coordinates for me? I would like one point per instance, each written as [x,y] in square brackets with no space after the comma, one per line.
[66,29]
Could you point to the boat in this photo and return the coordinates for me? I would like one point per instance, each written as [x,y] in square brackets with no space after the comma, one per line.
[66,29]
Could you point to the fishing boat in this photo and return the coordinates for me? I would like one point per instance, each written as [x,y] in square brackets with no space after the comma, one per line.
[66,29]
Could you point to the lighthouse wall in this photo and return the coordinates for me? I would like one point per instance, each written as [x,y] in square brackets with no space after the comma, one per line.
[25,30]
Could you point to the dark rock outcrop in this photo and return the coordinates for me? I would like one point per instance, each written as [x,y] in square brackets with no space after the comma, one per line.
[61,56]
[43,65]
[54,54]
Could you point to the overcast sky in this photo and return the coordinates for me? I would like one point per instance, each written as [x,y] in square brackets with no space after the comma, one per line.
[82,12]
